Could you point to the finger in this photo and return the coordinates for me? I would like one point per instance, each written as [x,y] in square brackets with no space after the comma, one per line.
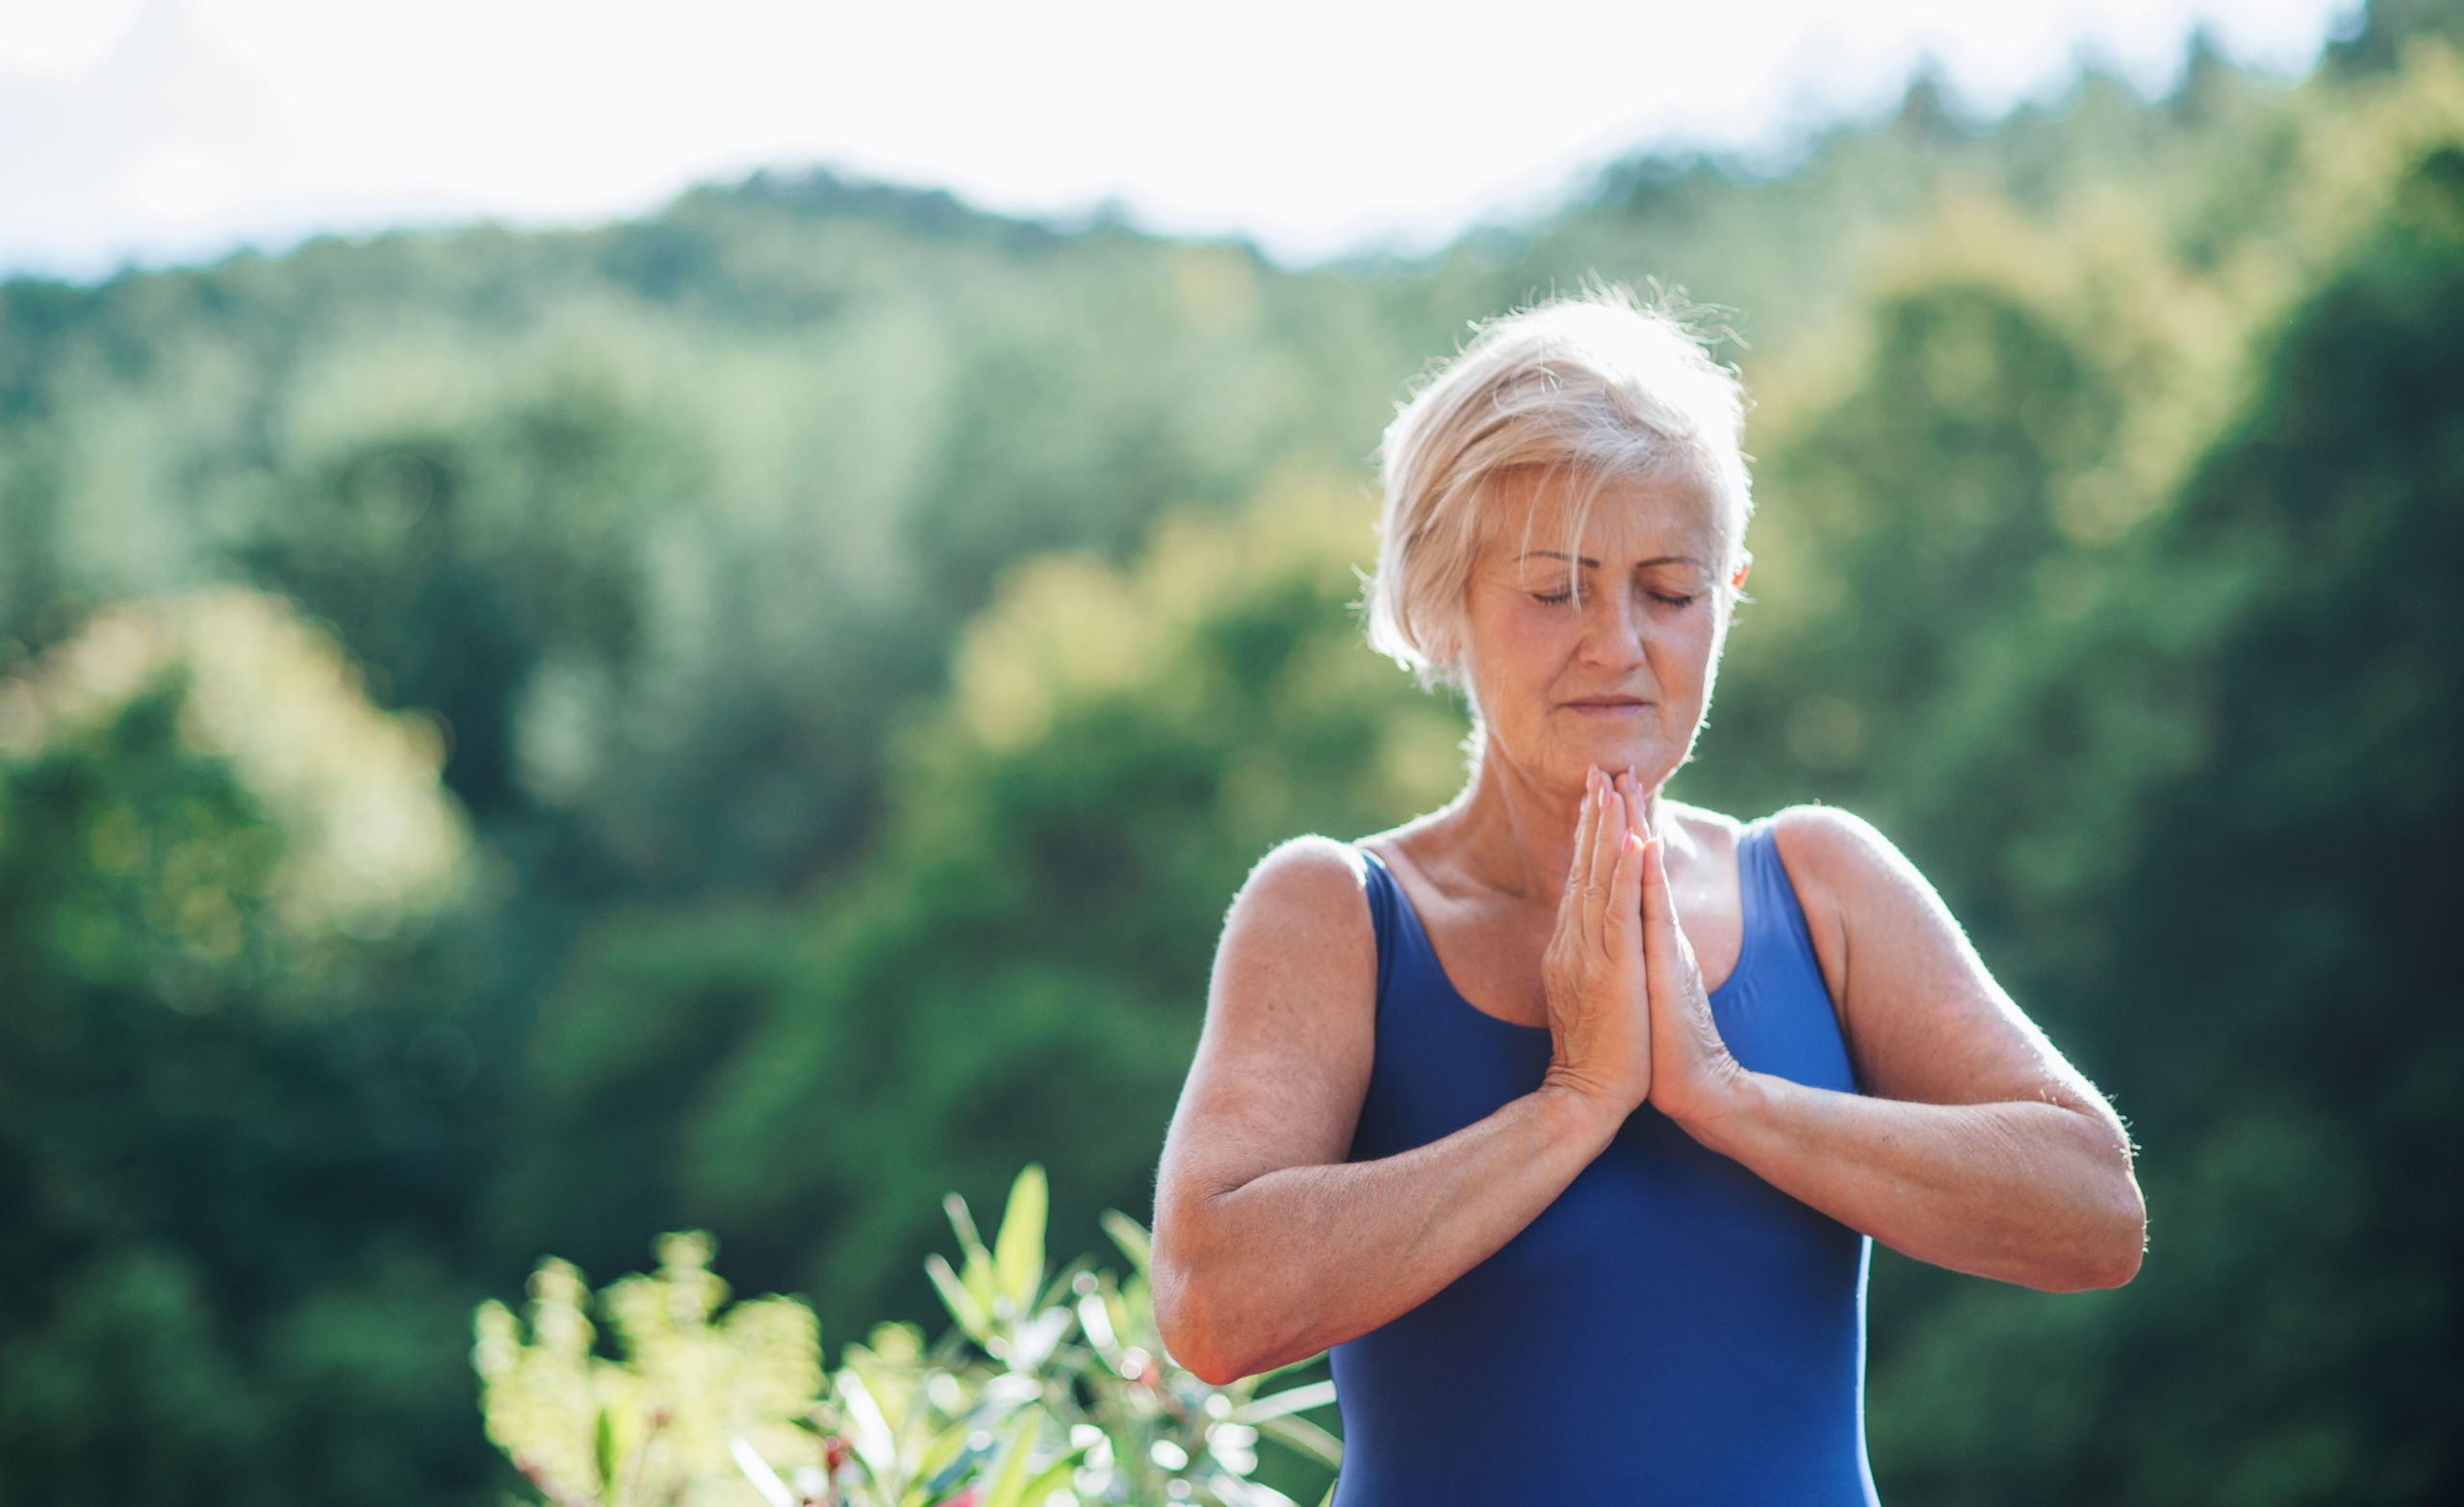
[1626,887]
[1581,864]
[1582,823]
[1594,881]
[1658,908]
[1573,907]
[1603,854]
[1632,789]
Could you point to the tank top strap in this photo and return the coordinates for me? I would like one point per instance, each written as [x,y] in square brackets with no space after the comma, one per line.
[1384,901]
[1757,866]
[1776,932]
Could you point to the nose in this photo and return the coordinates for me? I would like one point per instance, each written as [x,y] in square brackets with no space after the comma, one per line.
[1614,629]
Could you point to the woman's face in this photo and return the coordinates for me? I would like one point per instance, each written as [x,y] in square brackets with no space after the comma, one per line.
[1618,672]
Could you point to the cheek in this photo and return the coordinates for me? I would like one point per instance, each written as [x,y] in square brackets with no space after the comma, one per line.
[1515,640]
[1687,652]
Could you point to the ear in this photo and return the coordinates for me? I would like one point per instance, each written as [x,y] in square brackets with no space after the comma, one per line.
[1744,563]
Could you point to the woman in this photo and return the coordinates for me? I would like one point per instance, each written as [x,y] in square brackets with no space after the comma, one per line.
[1566,1116]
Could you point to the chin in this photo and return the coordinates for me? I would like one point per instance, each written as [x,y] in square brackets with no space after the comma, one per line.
[1646,757]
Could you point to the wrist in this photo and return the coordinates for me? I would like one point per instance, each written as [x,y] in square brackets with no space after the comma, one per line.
[1723,1115]
[1580,1113]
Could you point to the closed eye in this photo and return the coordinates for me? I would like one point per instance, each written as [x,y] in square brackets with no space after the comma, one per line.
[1558,598]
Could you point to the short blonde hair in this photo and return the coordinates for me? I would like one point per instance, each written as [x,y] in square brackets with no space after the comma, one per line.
[1601,384]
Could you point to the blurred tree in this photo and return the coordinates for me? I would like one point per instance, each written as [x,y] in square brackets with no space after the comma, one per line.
[1019,970]
[222,1096]
[2282,958]
[2184,758]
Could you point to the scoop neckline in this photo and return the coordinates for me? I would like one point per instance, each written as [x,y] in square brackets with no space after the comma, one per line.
[1749,912]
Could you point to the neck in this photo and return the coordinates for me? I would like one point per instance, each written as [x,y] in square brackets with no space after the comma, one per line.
[1515,832]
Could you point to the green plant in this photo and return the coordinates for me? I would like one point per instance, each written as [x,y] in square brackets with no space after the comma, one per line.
[1048,1388]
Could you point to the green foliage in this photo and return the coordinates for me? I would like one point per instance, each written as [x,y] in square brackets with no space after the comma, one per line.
[1051,1388]
[1026,942]
[662,1425]
[219,1101]
[2186,767]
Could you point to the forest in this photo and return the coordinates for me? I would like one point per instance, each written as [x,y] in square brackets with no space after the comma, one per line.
[517,743]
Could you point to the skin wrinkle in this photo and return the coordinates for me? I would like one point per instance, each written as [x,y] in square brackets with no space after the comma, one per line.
[1971,1146]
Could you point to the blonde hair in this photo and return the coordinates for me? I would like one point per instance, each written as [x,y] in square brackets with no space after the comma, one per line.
[1599,384]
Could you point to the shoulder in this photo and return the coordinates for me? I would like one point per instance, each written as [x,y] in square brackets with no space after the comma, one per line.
[1854,885]
[1303,903]
[1926,1019]
[1880,927]
[1292,1000]
[1309,874]
[1837,852]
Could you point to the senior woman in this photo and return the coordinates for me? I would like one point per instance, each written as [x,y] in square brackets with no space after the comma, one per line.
[1565,1117]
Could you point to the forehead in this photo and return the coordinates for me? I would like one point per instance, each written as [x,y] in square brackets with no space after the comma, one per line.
[1631,517]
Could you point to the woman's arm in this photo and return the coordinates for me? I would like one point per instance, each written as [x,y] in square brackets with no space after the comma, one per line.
[1975,1145]
[1269,1245]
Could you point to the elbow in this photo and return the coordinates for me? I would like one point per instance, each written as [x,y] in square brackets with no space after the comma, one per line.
[2129,1245]
[1190,1316]
[2111,1232]
[2114,1241]
[2126,1218]
[1183,1322]
[1207,1368]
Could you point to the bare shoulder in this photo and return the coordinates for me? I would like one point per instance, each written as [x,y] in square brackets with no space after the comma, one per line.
[1925,1019]
[1847,872]
[1300,929]
[1303,877]
[1283,1058]
[1835,846]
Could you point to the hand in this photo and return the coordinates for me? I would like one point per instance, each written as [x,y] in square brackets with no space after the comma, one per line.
[1693,1074]
[1599,1014]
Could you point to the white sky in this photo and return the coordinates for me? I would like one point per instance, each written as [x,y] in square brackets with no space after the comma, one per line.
[163,130]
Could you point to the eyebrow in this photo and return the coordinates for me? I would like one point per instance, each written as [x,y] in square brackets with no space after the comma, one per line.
[1588,563]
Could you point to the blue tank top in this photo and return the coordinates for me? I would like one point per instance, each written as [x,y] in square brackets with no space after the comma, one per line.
[1672,1328]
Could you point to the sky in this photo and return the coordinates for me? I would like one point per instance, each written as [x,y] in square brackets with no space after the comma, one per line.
[156,132]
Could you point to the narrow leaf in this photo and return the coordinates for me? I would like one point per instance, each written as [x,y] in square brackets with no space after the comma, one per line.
[1017,1251]
[946,1446]
[758,1470]
[604,1451]
[1305,1437]
[1061,1285]
[1009,1474]
[1053,1478]
[961,1302]
[1130,1236]
[874,1443]
[1237,1491]
[1298,1399]
[981,1284]
[963,1222]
